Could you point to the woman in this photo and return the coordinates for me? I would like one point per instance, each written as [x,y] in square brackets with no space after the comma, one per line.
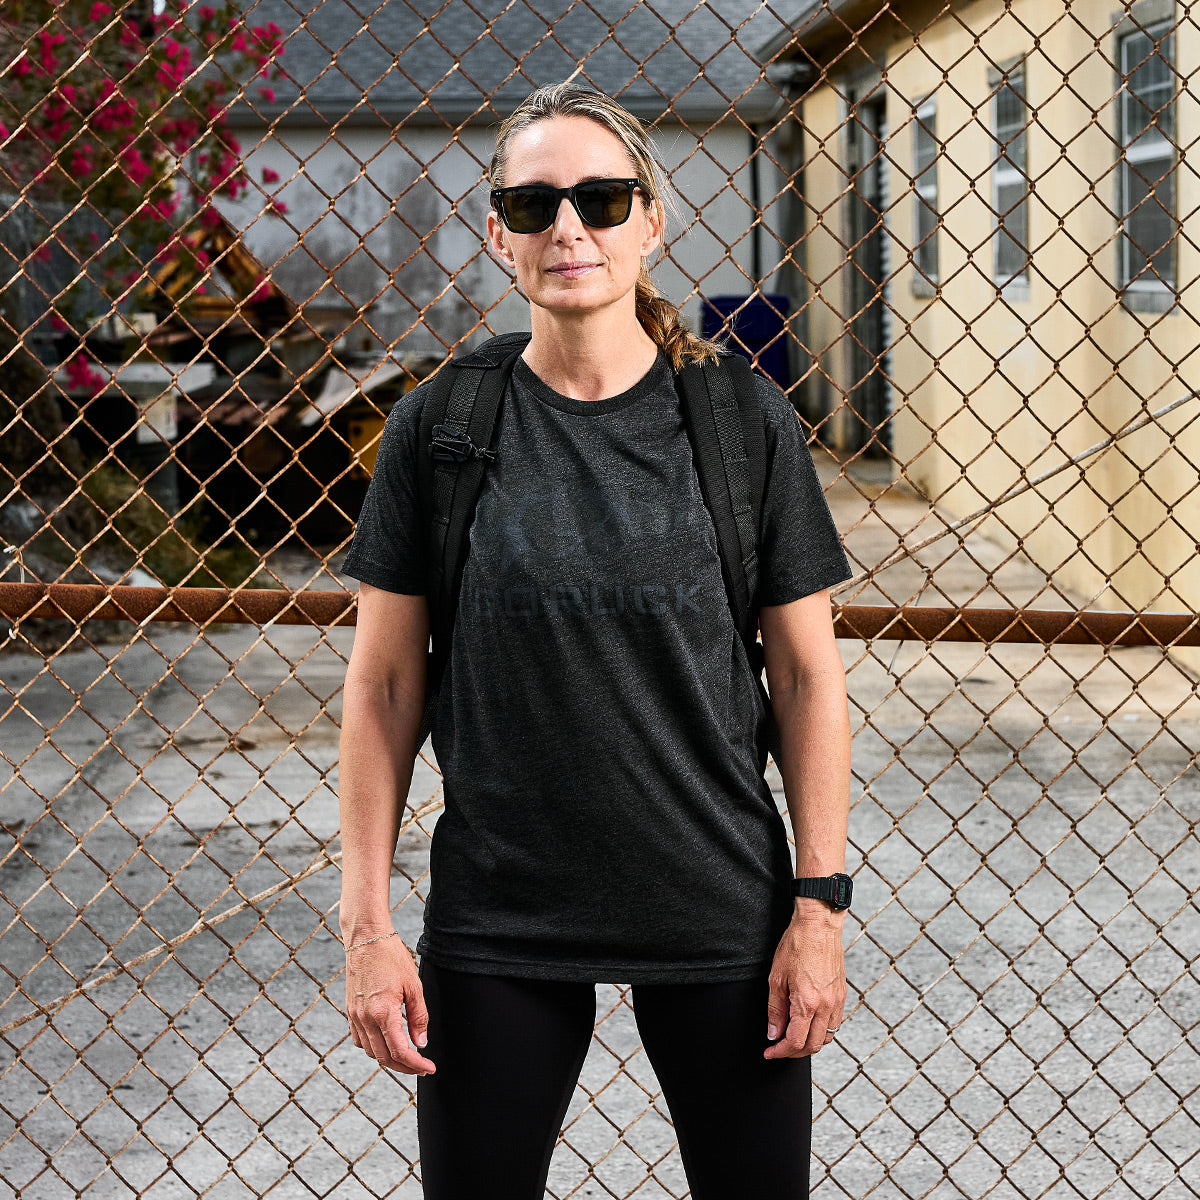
[606,817]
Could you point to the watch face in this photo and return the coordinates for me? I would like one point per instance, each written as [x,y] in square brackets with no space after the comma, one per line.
[843,891]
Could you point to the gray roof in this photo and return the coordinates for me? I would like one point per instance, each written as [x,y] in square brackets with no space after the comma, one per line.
[350,57]
[811,28]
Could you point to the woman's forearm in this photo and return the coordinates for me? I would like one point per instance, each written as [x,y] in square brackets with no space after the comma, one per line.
[380,718]
[814,727]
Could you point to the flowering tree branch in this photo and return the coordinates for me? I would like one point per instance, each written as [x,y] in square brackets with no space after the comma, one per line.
[108,108]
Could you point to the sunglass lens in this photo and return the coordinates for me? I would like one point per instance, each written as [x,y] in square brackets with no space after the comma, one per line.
[603,203]
[529,209]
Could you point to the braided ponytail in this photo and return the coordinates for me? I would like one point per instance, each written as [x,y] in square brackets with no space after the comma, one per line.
[660,319]
[656,314]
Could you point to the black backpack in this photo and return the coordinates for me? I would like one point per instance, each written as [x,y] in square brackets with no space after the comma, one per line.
[725,426]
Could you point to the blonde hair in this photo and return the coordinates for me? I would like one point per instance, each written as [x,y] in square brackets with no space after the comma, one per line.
[656,314]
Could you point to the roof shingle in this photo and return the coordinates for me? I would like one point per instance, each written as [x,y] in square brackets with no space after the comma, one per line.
[367,61]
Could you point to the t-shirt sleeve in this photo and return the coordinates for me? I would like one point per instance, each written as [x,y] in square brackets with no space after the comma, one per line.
[800,551]
[388,550]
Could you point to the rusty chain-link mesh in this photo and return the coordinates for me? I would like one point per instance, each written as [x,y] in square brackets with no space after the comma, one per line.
[963,236]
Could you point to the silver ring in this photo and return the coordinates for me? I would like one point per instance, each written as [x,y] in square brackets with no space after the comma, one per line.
[828,1030]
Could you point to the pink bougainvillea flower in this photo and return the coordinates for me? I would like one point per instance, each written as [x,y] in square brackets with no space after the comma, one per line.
[268,94]
[100,10]
[82,378]
[48,42]
[270,175]
[135,166]
[159,210]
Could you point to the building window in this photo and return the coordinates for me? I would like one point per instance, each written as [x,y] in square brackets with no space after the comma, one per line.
[925,225]
[1010,178]
[1146,176]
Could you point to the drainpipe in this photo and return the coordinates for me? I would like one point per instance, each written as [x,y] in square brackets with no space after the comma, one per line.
[755,144]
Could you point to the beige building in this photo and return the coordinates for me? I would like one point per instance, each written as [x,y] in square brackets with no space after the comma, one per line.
[1002,243]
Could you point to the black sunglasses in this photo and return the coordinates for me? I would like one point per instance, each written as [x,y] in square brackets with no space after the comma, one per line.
[532,207]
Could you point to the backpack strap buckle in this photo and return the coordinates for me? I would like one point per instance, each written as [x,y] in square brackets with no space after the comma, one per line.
[451,444]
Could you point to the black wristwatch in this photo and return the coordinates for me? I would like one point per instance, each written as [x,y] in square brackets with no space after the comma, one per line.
[836,890]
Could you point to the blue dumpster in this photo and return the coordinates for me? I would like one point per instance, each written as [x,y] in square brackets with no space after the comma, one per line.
[758,329]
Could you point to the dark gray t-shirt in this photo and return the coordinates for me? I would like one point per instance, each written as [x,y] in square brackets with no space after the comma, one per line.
[597,729]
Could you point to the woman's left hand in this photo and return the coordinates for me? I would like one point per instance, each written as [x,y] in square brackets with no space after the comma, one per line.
[807,982]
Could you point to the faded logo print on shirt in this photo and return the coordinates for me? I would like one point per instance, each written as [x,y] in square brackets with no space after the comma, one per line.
[559,527]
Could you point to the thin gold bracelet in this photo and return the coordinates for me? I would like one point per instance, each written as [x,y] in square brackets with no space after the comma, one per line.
[381,938]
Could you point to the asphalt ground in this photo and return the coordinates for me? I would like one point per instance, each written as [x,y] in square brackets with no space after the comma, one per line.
[1024,1018]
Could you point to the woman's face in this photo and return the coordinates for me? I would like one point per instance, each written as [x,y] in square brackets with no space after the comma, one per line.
[572,266]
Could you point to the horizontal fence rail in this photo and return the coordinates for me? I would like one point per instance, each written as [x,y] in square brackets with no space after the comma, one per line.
[865,622]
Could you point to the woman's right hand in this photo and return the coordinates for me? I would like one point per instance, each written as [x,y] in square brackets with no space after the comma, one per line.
[382,988]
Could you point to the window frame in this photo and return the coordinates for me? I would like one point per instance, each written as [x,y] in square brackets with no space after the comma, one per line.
[926,277]
[1147,290]
[1004,171]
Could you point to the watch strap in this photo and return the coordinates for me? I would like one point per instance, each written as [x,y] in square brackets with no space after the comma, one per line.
[836,890]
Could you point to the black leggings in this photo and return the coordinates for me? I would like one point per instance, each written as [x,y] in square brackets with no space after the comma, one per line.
[509,1051]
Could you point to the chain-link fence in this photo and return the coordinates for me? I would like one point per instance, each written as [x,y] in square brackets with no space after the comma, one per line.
[961,235]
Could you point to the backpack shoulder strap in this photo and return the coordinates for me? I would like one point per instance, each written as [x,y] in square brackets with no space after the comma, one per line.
[729,443]
[726,423]
[457,422]
[754,431]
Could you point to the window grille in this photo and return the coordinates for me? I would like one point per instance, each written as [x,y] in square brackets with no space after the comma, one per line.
[925,158]
[1149,228]
[1010,179]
